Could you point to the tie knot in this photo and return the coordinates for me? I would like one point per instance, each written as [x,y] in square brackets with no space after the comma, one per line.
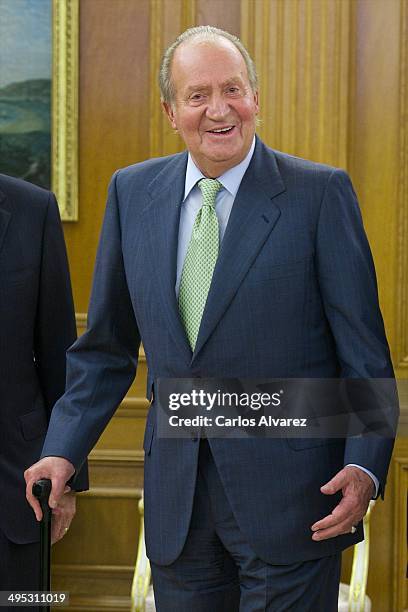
[209,189]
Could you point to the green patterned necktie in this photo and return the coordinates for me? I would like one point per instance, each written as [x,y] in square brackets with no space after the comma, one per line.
[200,261]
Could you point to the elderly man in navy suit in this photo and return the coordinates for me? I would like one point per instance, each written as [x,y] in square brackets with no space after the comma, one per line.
[37,326]
[230,260]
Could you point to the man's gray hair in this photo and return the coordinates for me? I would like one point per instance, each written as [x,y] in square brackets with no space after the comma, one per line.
[201,33]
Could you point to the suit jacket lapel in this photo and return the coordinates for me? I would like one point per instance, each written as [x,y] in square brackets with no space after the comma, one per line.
[163,219]
[253,216]
[5,217]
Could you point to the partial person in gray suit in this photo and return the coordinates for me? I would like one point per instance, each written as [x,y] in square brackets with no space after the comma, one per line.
[37,325]
[231,524]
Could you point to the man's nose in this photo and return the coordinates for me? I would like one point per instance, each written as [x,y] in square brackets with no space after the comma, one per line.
[217,108]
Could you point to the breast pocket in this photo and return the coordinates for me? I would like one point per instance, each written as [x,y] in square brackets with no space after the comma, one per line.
[17,290]
[266,271]
[33,424]
[19,276]
[306,443]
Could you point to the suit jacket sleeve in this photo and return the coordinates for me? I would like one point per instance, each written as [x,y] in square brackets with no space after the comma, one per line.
[101,365]
[55,328]
[349,290]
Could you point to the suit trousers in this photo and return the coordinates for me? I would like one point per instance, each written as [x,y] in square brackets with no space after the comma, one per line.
[19,568]
[218,571]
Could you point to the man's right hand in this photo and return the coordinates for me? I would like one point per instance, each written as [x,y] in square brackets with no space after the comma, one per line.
[58,470]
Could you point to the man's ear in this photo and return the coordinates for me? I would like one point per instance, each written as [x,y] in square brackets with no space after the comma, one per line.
[256,100]
[170,113]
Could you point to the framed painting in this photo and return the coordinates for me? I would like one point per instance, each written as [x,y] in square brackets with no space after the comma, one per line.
[39,96]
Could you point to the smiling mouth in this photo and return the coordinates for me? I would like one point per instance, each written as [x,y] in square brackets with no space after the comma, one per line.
[221,131]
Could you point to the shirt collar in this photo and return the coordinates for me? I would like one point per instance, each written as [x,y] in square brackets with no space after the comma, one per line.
[230,180]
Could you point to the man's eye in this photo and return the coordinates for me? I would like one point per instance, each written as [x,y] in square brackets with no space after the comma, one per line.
[233,89]
[196,97]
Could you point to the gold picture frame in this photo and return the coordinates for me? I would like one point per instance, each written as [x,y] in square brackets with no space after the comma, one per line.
[65,88]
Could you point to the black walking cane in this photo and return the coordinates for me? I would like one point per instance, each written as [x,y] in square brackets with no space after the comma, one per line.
[42,490]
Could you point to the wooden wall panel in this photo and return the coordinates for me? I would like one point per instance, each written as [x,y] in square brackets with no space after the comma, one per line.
[400,539]
[401,342]
[225,15]
[378,149]
[113,118]
[106,586]
[301,50]
[376,145]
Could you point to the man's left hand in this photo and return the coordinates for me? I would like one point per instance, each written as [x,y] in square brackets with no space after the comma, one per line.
[357,488]
[62,516]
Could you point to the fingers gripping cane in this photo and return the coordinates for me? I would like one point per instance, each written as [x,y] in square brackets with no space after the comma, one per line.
[42,490]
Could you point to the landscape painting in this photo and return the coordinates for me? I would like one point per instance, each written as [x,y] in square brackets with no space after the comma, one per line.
[25,89]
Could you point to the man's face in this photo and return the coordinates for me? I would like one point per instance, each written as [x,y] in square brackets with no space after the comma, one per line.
[214,109]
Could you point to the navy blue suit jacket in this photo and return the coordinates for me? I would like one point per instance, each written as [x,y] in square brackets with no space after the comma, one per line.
[37,325]
[293,295]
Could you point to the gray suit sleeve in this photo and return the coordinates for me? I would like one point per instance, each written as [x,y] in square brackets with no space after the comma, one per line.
[349,290]
[101,365]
